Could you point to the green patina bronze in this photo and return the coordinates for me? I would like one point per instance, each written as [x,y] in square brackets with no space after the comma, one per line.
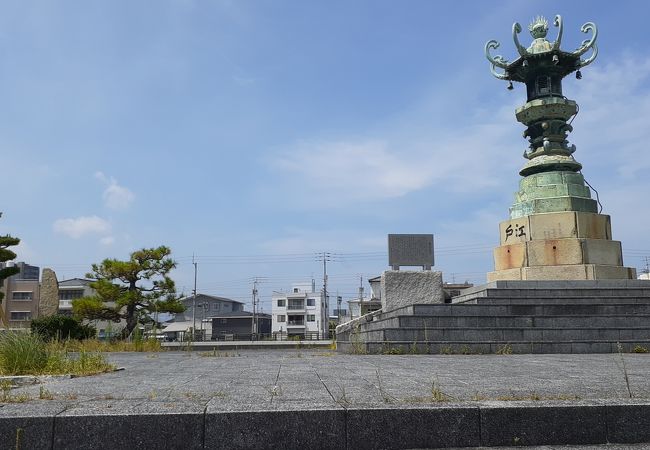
[552,181]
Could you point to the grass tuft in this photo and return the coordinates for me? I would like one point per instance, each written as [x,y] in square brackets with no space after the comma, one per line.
[22,354]
[26,354]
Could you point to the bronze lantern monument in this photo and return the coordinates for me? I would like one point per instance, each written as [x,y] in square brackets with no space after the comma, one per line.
[555,230]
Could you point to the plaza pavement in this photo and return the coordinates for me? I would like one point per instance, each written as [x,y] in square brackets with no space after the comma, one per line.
[315,398]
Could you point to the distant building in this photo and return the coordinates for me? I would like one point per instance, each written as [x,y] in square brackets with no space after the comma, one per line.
[22,294]
[238,325]
[301,312]
[454,289]
[73,289]
[362,306]
[207,306]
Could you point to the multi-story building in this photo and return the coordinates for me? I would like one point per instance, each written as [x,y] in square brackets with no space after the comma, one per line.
[301,312]
[22,294]
[73,289]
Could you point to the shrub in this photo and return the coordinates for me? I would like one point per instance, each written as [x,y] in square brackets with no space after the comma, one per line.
[59,327]
[22,353]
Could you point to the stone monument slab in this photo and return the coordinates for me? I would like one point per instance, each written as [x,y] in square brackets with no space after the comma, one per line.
[410,250]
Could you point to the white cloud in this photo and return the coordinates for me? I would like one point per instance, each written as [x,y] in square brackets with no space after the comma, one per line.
[115,196]
[107,240]
[612,128]
[353,170]
[82,226]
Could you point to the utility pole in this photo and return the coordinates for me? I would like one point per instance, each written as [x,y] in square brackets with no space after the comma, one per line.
[254,322]
[339,300]
[360,288]
[326,257]
[194,302]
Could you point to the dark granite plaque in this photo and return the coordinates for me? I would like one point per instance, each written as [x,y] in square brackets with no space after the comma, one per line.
[410,250]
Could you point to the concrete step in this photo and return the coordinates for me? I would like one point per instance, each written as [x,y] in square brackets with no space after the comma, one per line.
[521,309]
[491,347]
[505,300]
[477,334]
[562,293]
[581,321]
[577,321]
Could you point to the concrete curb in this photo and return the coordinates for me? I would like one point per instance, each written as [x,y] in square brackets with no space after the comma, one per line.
[245,345]
[144,426]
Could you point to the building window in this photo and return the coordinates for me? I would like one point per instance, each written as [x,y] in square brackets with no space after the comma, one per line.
[20,315]
[311,302]
[70,294]
[282,302]
[281,318]
[296,290]
[217,306]
[311,318]
[296,303]
[22,295]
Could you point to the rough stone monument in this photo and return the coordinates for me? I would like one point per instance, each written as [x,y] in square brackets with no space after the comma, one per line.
[555,230]
[404,288]
[48,304]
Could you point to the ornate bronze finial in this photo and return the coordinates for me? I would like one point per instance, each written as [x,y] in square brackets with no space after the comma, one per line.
[547,112]
[566,62]
[538,27]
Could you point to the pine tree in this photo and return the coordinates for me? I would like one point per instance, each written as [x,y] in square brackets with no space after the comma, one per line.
[131,290]
[6,255]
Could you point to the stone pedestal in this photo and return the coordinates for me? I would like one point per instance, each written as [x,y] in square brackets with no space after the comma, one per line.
[565,245]
[404,288]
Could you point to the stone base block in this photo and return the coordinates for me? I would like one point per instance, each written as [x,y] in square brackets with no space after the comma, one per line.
[565,272]
[556,225]
[405,288]
[558,252]
[510,256]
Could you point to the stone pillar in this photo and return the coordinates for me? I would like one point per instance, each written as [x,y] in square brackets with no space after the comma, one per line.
[49,298]
[404,288]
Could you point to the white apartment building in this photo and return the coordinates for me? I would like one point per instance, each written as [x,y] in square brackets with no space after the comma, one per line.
[301,312]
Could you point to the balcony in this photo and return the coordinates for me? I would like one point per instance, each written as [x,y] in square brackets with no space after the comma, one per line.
[295,321]
[296,305]
[65,304]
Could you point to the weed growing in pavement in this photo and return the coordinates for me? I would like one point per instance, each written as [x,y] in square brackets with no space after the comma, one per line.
[7,397]
[44,394]
[640,349]
[356,341]
[343,399]
[446,350]
[385,396]
[505,349]
[624,369]
[19,438]
[436,393]
[217,354]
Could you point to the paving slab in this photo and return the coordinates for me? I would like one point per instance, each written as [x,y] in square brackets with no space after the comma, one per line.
[257,398]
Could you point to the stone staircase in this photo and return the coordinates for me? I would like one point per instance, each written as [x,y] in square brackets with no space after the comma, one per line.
[514,317]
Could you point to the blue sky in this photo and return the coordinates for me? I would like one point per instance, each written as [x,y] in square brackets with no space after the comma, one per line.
[255,134]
